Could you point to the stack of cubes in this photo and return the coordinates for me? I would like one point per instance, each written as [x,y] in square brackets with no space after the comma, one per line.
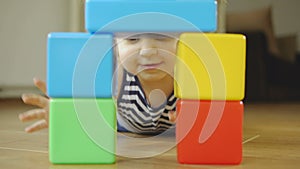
[76,63]
[209,82]
[82,122]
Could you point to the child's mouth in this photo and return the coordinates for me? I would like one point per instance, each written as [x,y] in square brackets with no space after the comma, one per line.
[151,65]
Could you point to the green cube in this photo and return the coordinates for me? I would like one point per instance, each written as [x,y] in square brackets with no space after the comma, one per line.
[82,131]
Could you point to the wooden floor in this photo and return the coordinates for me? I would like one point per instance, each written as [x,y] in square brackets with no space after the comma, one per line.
[271,140]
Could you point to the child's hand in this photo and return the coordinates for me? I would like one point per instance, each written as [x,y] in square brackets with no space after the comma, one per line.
[172,116]
[41,113]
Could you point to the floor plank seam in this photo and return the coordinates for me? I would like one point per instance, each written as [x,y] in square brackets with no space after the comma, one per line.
[251,139]
[27,150]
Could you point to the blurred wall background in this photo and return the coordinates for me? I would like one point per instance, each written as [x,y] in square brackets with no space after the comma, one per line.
[24,25]
[285,14]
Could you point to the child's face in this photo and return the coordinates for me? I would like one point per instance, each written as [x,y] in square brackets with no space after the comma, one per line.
[149,56]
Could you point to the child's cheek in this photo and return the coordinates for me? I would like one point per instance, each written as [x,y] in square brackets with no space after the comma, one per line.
[129,63]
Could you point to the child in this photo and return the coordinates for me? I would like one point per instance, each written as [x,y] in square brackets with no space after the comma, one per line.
[145,99]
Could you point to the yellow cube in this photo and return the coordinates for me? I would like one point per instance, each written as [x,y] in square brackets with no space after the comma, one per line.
[210,66]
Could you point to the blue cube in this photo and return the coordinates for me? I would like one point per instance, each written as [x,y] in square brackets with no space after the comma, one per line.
[151,15]
[80,65]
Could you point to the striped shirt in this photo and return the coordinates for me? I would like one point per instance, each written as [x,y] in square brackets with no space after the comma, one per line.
[135,113]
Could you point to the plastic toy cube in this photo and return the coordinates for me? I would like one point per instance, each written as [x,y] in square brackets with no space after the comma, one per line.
[82,131]
[209,132]
[150,16]
[80,65]
[210,66]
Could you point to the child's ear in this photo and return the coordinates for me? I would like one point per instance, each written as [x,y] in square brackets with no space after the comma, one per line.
[116,53]
[115,49]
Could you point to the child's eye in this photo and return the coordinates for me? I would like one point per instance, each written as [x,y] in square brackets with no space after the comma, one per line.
[163,38]
[132,40]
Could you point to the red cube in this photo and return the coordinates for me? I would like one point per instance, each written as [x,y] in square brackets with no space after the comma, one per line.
[209,132]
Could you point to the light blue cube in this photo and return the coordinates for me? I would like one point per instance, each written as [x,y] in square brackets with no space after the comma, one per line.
[151,15]
[79,65]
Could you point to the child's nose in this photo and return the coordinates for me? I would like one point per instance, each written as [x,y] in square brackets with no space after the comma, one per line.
[148,48]
[148,51]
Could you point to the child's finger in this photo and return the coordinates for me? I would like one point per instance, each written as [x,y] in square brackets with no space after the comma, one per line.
[33,114]
[172,116]
[35,100]
[40,84]
[37,126]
